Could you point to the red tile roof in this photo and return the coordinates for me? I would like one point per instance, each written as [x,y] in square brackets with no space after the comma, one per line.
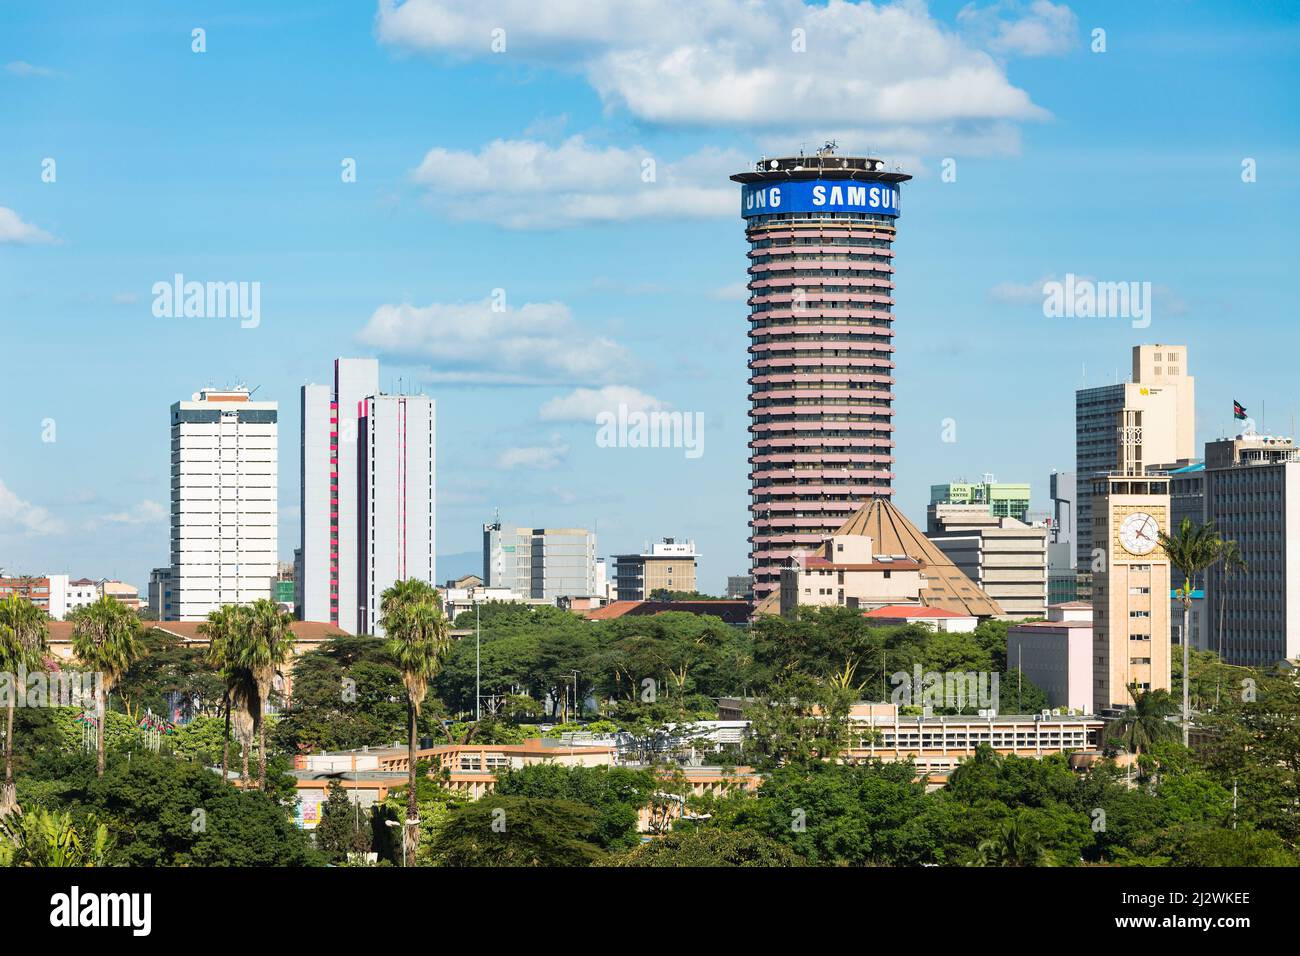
[898,612]
[733,612]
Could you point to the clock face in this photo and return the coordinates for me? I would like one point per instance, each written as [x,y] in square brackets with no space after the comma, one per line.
[1139,533]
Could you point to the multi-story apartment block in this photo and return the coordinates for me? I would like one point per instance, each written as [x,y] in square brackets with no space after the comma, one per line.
[1252,494]
[224,513]
[667,565]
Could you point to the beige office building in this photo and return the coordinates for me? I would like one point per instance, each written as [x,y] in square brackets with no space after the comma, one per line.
[1153,416]
[1007,558]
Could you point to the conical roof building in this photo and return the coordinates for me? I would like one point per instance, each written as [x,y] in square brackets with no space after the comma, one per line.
[945,585]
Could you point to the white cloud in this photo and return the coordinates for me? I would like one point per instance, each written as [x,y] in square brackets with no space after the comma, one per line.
[1020,293]
[23,68]
[865,67]
[535,457]
[584,404]
[538,343]
[529,184]
[23,516]
[145,512]
[13,229]
[1012,27]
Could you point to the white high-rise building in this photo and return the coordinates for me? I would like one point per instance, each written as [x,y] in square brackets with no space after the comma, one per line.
[397,514]
[224,520]
[368,515]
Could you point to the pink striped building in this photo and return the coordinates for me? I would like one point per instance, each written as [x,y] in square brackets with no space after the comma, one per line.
[821,232]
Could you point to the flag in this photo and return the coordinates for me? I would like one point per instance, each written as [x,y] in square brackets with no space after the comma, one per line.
[1238,410]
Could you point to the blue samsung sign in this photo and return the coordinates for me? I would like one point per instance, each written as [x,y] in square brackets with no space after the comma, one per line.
[818,195]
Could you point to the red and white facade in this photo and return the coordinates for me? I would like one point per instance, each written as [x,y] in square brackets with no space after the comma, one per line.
[820,356]
[368,465]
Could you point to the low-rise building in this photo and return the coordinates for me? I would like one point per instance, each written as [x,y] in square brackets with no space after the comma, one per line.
[731,612]
[1056,654]
[846,571]
[935,618]
[938,744]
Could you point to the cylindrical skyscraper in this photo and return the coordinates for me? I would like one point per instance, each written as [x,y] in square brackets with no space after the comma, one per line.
[821,364]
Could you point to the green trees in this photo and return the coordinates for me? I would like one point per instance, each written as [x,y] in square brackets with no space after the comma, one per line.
[161,811]
[710,846]
[343,828]
[24,635]
[226,629]
[1146,723]
[519,831]
[348,692]
[1191,550]
[105,640]
[267,644]
[616,794]
[419,637]
[847,814]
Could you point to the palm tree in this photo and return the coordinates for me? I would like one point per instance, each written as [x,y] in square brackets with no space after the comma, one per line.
[1233,565]
[105,641]
[1015,844]
[1192,550]
[225,629]
[1144,724]
[24,636]
[418,638]
[267,645]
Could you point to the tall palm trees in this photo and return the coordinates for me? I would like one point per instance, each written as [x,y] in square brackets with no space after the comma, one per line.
[418,638]
[24,636]
[1191,549]
[267,644]
[1233,565]
[225,630]
[1145,724]
[105,641]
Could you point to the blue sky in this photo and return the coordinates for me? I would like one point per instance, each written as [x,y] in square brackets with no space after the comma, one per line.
[520,171]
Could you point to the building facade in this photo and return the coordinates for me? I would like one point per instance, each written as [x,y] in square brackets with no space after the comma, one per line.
[1056,655]
[540,563]
[1252,494]
[1004,557]
[368,476]
[224,500]
[821,232]
[667,565]
[1130,592]
[1000,498]
[1154,413]
[162,598]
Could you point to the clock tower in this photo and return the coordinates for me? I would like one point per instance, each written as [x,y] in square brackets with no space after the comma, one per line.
[1130,597]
